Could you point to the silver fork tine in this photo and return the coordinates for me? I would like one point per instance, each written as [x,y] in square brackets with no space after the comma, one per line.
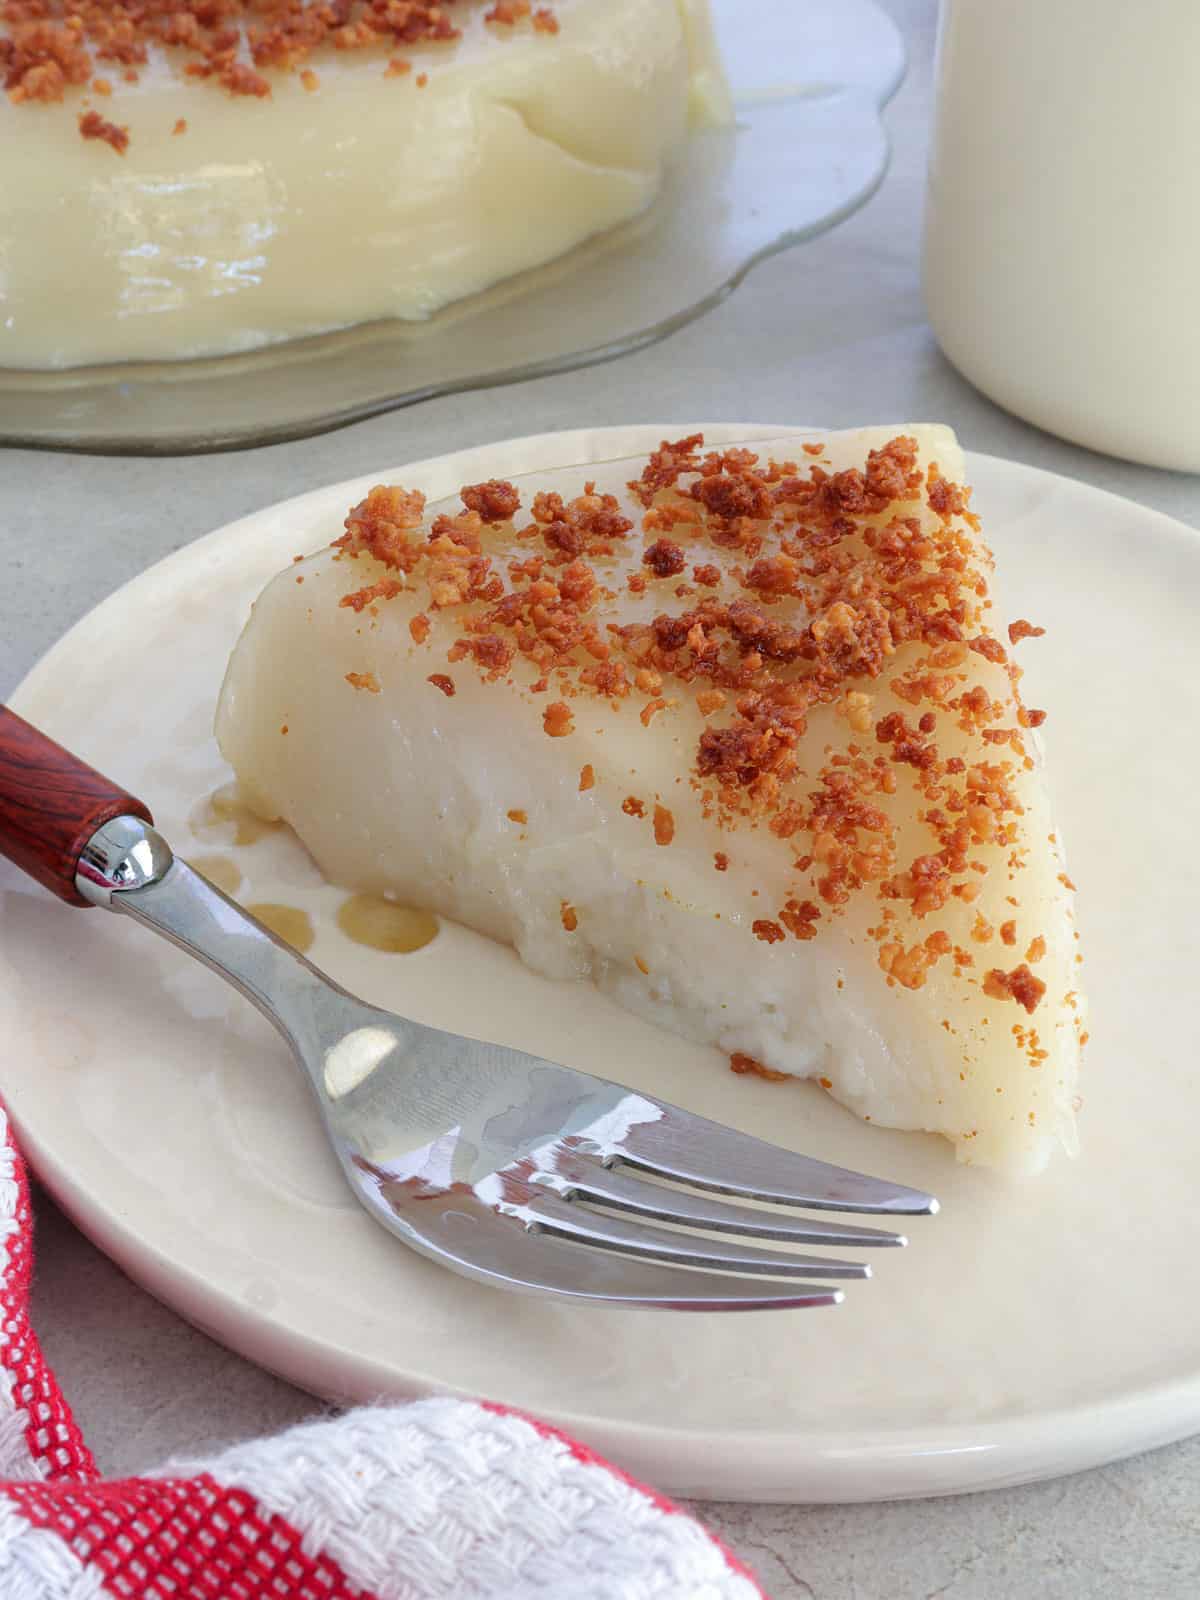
[547,1212]
[493,1249]
[691,1149]
[465,1125]
[575,1176]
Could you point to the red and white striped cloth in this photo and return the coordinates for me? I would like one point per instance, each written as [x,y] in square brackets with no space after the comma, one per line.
[428,1501]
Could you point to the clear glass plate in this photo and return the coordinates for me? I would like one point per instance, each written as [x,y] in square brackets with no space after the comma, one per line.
[807,149]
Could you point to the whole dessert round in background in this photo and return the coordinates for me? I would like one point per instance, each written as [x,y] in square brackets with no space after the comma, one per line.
[200,179]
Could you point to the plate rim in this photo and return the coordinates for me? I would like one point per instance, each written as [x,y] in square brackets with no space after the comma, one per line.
[835,1467]
[850,1465]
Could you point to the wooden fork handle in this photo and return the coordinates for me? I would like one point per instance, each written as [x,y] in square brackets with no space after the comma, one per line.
[50,805]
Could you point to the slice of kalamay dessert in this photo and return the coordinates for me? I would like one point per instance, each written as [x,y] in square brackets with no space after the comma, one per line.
[735,734]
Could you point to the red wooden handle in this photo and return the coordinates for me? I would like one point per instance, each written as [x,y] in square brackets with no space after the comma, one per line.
[50,805]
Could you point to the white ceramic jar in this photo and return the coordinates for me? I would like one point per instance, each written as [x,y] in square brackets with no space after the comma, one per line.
[1062,233]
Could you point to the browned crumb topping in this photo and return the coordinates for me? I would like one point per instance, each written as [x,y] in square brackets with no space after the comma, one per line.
[557,720]
[813,589]
[48,47]
[800,918]
[909,966]
[1020,985]
[510,12]
[587,777]
[442,681]
[741,1063]
[570,917]
[721,861]
[93,126]
[665,558]
[363,680]
[1020,629]
[181,127]
[516,815]
[495,500]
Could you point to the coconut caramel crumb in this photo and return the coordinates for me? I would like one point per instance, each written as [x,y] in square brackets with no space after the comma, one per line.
[48,48]
[93,126]
[557,720]
[743,1064]
[1023,630]
[1020,985]
[665,558]
[800,918]
[495,501]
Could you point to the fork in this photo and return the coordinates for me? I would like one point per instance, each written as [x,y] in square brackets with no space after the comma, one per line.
[511,1170]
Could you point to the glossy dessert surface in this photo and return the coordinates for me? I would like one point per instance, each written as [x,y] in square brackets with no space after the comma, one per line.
[331,185]
[737,735]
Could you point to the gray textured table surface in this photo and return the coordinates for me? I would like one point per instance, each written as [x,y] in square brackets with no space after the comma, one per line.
[832,333]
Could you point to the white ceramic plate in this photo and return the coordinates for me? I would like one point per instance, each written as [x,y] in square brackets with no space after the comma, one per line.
[807,149]
[1029,1329]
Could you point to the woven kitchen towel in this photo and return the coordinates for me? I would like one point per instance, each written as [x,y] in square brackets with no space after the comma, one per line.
[437,1500]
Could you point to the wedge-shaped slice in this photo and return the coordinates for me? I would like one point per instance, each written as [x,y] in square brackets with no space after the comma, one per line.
[737,736]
